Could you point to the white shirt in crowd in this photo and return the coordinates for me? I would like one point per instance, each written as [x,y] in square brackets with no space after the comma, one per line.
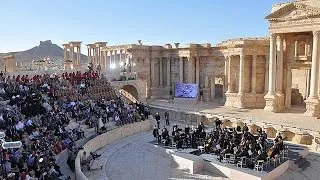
[29,122]
[19,125]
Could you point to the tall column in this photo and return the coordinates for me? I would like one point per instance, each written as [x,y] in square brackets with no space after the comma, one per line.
[230,87]
[272,64]
[152,69]
[307,83]
[279,84]
[241,72]
[65,54]
[270,97]
[288,88]
[191,70]
[88,57]
[71,53]
[266,74]
[96,55]
[93,57]
[160,73]
[105,59]
[101,57]
[254,74]
[226,65]
[314,67]
[181,69]
[279,75]
[197,70]
[168,72]
[312,103]
[79,55]
[296,48]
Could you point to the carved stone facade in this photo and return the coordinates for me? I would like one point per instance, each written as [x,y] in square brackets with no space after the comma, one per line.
[72,59]
[9,63]
[294,56]
[203,64]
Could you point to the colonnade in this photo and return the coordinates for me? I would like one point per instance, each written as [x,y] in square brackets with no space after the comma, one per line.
[96,55]
[247,91]
[9,63]
[275,99]
[71,55]
[192,69]
[114,57]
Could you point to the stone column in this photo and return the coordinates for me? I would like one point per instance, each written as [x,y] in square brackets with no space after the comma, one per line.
[96,56]
[271,101]
[279,79]
[191,70]
[160,73]
[288,88]
[88,57]
[71,53]
[168,72]
[230,87]
[93,57]
[312,103]
[79,56]
[241,72]
[197,70]
[65,53]
[266,74]
[307,83]
[296,48]
[254,74]
[181,69]
[272,64]
[101,57]
[226,65]
[152,69]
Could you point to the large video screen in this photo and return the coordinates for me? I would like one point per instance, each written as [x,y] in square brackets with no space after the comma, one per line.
[183,90]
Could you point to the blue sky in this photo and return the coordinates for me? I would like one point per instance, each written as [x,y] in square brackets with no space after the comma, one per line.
[26,22]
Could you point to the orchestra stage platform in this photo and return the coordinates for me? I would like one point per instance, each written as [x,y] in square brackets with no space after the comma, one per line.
[194,161]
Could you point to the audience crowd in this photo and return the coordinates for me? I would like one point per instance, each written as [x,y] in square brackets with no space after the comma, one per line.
[37,111]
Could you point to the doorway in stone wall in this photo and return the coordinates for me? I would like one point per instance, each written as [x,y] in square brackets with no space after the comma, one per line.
[300,89]
[217,89]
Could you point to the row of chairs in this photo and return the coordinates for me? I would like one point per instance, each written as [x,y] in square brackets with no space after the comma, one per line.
[260,164]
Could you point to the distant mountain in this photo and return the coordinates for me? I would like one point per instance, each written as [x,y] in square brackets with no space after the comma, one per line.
[45,49]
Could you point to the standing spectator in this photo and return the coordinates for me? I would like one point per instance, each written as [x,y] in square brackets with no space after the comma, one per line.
[158,120]
[166,116]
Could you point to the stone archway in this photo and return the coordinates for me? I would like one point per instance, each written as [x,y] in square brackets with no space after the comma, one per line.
[137,88]
[131,89]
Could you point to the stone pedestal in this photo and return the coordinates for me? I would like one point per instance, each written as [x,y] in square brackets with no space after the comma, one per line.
[312,106]
[234,100]
[280,101]
[302,138]
[316,143]
[206,94]
[271,103]
[240,101]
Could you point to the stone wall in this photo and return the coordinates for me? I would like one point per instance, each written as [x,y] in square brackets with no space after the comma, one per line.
[260,76]
[299,81]
[109,137]
[293,134]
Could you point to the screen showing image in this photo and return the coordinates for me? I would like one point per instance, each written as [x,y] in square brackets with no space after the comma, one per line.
[183,90]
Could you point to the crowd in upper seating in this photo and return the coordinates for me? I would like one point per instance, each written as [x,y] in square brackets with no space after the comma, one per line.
[38,110]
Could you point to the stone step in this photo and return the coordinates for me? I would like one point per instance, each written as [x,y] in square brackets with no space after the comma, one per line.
[293,175]
[304,165]
[300,161]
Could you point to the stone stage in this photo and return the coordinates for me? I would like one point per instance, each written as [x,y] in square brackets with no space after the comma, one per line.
[193,161]
[291,123]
